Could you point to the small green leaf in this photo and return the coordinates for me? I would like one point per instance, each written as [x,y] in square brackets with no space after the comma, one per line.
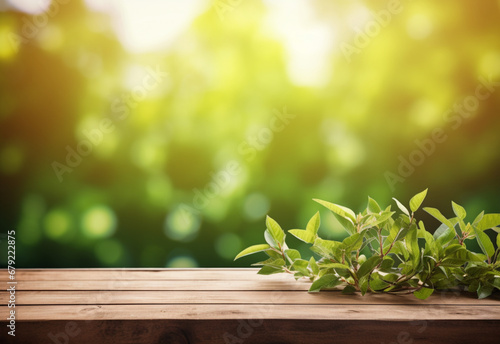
[334,266]
[489,221]
[423,293]
[484,243]
[313,224]
[269,270]
[275,263]
[416,201]
[252,249]
[349,289]
[326,281]
[373,206]
[314,266]
[338,209]
[401,207]
[498,240]
[275,230]
[458,210]
[303,235]
[484,291]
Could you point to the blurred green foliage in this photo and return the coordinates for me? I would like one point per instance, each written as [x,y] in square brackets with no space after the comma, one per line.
[251,107]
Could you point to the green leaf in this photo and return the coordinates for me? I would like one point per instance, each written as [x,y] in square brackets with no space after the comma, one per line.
[440,230]
[269,270]
[401,207]
[489,221]
[453,262]
[313,224]
[292,254]
[452,249]
[269,239]
[326,281]
[373,206]
[412,245]
[334,266]
[498,240]
[349,289]
[338,209]
[416,201]
[478,219]
[346,223]
[423,293]
[496,282]
[275,263]
[440,217]
[458,210]
[273,254]
[314,266]
[484,243]
[303,235]
[353,242]
[301,266]
[363,285]
[252,249]
[390,277]
[368,266]
[275,230]
[387,264]
[382,218]
[484,291]
[447,236]
[327,248]
[378,284]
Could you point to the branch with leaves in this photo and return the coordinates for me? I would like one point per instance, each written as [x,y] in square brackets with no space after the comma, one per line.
[382,252]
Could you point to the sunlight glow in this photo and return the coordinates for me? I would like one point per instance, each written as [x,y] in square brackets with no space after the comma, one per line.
[150,25]
[30,6]
[308,41]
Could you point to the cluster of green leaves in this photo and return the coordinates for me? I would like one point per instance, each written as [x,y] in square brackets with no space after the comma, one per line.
[389,252]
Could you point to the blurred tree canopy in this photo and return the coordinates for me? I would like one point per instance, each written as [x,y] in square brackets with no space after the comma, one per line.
[117,149]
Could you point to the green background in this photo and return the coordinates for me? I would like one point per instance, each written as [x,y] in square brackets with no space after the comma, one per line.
[195,155]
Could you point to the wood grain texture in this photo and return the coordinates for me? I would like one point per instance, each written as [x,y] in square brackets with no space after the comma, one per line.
[77,297]
[201,274]
[396,312]
[211,305]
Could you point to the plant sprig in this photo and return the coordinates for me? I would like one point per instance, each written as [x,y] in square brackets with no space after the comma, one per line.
[382,252]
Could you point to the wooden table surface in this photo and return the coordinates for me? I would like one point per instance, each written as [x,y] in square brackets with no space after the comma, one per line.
[229,306]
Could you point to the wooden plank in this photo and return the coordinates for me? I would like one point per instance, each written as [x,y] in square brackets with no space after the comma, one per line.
[263,284]
[269,331]
[261,311]
[232,297]
[249,274]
